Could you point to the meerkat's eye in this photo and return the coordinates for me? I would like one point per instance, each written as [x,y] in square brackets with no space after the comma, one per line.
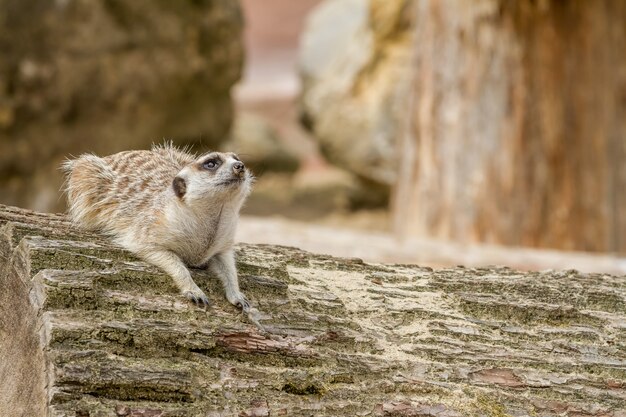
[211,164]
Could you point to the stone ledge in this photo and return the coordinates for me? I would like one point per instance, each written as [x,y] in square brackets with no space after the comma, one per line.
[88,329]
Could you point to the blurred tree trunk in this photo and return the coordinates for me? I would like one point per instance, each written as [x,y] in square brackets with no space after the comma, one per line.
[517,131]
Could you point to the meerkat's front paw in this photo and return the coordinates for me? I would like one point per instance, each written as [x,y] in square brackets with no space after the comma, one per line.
[239,300]
[197,296]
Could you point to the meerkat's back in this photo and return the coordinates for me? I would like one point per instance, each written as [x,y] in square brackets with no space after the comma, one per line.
[107,193]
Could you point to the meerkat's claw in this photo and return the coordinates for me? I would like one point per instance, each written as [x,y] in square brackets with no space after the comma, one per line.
[198,299]
[243,304]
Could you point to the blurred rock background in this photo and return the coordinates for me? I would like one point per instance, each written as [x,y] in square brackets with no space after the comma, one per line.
[104,76]
[395,130]
[355,62]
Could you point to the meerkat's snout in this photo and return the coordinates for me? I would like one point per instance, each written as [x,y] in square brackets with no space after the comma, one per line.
[239,168]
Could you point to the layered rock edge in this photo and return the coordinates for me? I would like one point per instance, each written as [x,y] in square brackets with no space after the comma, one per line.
[87,329]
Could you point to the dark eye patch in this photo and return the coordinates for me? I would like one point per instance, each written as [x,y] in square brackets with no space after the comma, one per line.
[211,164]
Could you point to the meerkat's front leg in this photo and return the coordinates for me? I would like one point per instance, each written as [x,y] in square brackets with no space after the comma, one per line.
[174,266]
[223,265]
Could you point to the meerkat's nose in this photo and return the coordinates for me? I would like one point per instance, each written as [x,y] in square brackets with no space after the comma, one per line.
[238,167]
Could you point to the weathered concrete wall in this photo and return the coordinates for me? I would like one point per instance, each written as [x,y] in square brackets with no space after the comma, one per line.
[344,338]
[517,131]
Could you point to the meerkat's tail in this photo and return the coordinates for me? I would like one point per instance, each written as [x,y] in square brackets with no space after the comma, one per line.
[86,179]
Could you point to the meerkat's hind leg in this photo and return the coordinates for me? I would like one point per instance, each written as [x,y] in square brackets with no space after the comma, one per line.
[223,265]
[174,266]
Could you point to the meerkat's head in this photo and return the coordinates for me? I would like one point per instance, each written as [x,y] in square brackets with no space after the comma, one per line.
[214,176]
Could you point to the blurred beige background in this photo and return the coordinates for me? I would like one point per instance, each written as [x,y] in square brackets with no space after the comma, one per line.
[442,133]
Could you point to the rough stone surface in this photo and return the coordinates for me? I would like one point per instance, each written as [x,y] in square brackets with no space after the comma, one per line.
[105,76]
[355,65]
[104,334]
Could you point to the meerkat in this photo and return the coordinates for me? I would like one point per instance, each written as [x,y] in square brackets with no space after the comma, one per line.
[170,208]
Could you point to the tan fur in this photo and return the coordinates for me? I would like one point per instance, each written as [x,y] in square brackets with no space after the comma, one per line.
[131,196]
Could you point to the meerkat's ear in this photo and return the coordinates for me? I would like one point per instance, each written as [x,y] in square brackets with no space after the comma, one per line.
[180,186]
